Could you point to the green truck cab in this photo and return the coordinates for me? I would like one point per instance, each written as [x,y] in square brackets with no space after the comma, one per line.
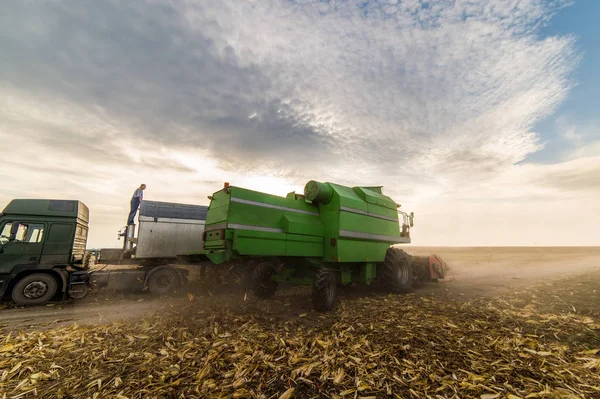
[43,250]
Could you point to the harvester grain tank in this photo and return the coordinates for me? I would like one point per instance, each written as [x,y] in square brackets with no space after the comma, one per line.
[327,236]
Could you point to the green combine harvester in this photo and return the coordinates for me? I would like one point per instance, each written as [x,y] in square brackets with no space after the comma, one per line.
[332,235]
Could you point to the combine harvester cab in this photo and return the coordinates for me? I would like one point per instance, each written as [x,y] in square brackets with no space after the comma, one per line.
[331,235]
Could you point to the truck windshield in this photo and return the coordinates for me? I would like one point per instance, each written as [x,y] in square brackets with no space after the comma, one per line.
[27,232]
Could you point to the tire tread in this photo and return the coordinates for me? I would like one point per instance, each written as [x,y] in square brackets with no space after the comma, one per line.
[322,283]
[396,258]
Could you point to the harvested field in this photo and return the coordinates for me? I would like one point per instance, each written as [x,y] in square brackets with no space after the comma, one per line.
[538,341]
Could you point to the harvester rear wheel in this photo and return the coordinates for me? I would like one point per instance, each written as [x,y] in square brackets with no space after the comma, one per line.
[261,282]
[324,290]
[397,270]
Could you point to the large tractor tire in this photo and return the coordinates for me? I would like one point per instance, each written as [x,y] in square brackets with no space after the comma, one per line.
[397,270]
[324,290]
[34,289]
[163,281]
[261,283]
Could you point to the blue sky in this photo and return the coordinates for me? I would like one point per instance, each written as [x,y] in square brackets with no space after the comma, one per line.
[581,106]
[462,109]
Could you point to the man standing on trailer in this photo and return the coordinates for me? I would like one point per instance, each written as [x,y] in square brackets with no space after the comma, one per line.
[136,200]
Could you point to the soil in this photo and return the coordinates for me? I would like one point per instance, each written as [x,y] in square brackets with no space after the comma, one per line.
[474,273]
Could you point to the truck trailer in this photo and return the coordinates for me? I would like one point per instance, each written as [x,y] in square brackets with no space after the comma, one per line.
[165,230]
[328,236]
[43,253]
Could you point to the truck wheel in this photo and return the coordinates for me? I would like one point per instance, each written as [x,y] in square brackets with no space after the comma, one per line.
[397,270]
[262,285]
[34,289]
[80,293]
[324,290]
[164,281]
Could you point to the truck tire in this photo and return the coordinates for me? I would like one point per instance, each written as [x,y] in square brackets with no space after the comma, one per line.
[80,293]
[262,285]
[34,289]
[163,281]
[397,270]
[324,290]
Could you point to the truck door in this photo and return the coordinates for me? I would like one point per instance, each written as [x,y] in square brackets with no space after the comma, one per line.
[20,244]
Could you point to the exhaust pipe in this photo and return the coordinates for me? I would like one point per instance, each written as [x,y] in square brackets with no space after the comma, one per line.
[129,237]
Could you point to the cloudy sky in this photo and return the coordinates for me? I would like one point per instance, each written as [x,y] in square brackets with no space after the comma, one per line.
[481,116]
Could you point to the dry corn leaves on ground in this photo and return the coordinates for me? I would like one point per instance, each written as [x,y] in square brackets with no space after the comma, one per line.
[372,347]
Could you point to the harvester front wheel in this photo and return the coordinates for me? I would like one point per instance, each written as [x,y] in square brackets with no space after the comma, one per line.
[262,284]
[397,270]
[324,290]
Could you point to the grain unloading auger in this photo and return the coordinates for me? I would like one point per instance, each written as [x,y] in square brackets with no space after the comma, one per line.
[332,235]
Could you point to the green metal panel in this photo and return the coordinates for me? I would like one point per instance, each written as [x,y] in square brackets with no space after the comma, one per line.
[218,257]
[214,244]
[303,224]
[363,222]
[269,199]
[248,242]
[360,223]
[352,250]
[218,208]
[374,198]
[346,197]
[217,214]
[298,245]
[377,189]
[331,225]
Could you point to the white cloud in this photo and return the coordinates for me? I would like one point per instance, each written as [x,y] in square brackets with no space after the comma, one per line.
[466,89]
[585,151]
[580,139]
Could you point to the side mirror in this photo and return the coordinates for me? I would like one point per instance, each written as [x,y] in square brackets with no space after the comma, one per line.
[412,218]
